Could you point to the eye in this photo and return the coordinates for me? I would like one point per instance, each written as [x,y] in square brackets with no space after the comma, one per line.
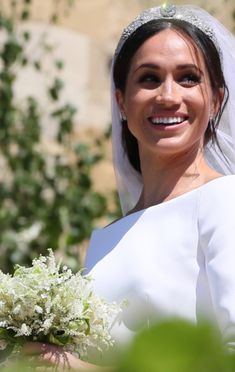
[149,79]
[189,79]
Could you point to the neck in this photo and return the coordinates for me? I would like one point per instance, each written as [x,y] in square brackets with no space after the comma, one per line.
[167,177]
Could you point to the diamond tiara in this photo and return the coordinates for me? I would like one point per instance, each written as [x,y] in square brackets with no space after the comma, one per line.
[167,12]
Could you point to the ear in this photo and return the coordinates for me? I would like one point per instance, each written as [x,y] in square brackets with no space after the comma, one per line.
[217,100]
[120,100]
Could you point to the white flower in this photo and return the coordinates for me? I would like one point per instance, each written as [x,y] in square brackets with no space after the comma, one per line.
[16,310]
[46,302]
[2,303]
[24,330]
[38,309]
[31,233]
[47,324]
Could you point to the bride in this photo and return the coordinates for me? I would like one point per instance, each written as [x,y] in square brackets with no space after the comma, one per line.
[173,252]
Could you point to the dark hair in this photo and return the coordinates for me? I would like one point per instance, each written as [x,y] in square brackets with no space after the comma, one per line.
[213,64]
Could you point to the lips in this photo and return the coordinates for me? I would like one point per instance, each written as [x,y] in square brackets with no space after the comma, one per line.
[167,120]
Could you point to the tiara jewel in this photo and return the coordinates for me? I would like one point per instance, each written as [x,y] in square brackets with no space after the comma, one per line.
[167,11]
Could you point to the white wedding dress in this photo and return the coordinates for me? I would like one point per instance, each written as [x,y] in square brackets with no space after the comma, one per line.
[172,259]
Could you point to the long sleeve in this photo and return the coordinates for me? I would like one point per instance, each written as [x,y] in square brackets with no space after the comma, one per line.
[217,241]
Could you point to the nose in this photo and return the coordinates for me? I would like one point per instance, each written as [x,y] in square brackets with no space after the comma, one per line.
[168,93]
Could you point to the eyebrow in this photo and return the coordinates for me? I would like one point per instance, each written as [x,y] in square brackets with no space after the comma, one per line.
[179,67]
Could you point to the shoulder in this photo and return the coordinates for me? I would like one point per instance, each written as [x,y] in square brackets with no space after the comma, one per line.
[217,203]
[220,190]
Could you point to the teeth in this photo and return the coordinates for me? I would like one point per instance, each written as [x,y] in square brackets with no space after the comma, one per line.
[167,120]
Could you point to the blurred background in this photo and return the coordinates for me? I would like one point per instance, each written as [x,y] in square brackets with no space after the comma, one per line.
[56,177]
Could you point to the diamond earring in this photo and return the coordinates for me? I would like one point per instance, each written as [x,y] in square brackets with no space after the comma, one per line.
[123,116]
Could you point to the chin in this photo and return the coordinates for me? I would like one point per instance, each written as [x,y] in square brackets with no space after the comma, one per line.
[171,147]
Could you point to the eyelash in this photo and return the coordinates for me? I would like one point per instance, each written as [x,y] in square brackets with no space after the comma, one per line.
[190,79]
[149,78]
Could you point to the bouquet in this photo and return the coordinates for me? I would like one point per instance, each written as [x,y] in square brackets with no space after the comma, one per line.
[48,303]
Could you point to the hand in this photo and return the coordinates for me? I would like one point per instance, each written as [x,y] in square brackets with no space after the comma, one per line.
[56,356]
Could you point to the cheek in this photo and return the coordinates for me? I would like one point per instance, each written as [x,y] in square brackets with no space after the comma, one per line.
[139,100]
[199,104]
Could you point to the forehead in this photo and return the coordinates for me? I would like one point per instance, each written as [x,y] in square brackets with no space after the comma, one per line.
[169,47]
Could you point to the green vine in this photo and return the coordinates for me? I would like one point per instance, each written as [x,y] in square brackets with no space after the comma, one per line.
[47,199]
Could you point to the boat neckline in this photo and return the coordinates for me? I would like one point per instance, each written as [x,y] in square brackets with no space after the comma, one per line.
[196,189]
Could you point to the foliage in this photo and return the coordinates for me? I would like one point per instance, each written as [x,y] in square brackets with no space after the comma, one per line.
[21,366]
[172,346]
[47,198]
[177,346]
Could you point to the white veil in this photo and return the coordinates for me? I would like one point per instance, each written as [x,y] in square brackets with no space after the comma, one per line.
[129,181]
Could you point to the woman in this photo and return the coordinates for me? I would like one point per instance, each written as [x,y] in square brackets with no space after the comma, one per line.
[173,252]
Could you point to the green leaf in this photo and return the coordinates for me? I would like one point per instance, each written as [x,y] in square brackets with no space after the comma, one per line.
[37,65]
[56,88]
[4,354]
[59,64]
[26,35]
[54,18]
[176,346]
[58,340]
[25,15]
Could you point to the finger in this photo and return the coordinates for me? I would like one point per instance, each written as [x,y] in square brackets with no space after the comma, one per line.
[58,358]
[34,348]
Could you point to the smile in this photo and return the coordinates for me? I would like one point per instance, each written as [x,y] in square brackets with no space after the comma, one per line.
[171,120]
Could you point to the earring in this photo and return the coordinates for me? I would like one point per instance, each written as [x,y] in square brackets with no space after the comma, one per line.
[123,116]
